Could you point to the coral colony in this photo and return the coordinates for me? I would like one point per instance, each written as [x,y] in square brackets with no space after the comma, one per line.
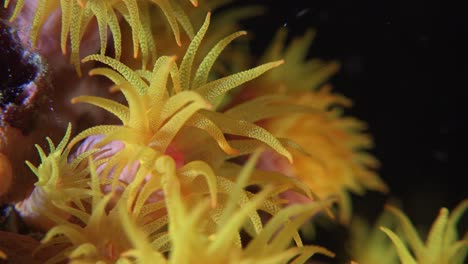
[144,132]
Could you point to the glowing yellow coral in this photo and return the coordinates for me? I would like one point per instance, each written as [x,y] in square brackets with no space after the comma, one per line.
[127,229]
[60,183]
[167,211]
[156,111]
[336,162]
[102,238]
[77,15]
[300,74]
[441,245]
[269,245]
[90,241]
[369,245]
[190,243]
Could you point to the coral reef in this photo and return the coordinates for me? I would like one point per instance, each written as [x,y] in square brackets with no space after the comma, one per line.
[197,151]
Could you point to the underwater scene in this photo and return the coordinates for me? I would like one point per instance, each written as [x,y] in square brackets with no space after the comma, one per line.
[223,131]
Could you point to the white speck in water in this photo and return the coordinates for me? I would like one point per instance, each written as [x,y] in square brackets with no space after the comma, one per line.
[302,12]
[441,156]
[444,130]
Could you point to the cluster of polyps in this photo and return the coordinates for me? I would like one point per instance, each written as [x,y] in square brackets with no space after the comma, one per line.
[169,177]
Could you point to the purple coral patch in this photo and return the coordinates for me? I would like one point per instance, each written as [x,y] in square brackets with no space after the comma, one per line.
[21,80]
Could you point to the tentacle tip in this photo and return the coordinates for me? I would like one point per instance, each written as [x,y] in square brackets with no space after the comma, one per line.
[86,59]
[443,211]
[389,207]
[231,151]
[113,89]
[384,189]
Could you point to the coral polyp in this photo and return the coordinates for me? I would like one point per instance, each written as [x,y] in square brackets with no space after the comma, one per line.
[159,109]
[336,161]
[442,244]
[60,184]
[77,15]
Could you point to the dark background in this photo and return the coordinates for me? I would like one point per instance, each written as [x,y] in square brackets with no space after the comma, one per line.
[404,68]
